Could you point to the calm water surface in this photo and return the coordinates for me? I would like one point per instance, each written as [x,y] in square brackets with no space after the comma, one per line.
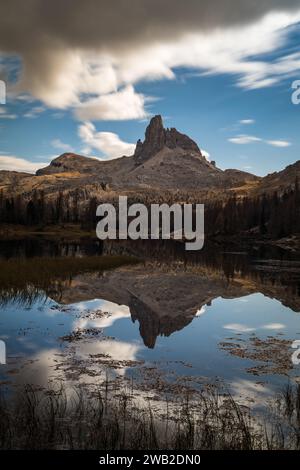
[229,317]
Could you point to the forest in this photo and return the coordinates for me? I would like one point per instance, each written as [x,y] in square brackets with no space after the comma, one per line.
[271,215]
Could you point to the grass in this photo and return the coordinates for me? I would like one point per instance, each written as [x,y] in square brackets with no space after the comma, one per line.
[69,231]
[56,419]
[27,278]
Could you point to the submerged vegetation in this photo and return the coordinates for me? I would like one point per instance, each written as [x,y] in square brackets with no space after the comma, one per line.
[75,419]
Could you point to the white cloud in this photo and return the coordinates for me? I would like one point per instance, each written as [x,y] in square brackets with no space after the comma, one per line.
[274,326]
[201,311]
[59,145]
[221,51]
[4,114]
[116,312]
[247,121]
[206,155]
[244,139]
[58,115]
[250,139]
[11,163]
[279,143]
[122,105]
[8,116]
[239,328]
[250,393]
[35,112]
[106,142]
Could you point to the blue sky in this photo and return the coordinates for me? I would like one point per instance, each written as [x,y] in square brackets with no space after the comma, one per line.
[229,90]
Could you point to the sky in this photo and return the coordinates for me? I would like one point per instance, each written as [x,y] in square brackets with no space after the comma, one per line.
[87,77]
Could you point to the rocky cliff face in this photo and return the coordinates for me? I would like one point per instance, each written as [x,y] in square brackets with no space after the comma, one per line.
[156,138]
[70,162]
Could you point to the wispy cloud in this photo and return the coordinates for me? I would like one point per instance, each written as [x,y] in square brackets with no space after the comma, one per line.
[4,114]
[238,328]
[274,326]
[59,145]
[245,139]
[278,143]
[34,112]
[247,121]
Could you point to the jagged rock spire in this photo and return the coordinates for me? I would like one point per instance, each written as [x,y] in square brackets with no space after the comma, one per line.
[156,138]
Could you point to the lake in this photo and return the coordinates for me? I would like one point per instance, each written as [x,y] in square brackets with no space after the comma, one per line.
[172,322]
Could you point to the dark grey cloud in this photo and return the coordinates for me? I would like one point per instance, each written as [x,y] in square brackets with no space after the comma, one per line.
[39,24]
[52,37]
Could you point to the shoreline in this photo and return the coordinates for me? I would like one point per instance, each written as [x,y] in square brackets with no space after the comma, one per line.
[75,231]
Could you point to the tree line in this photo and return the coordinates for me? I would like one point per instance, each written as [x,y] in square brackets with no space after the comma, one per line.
[276,215]
[273,215]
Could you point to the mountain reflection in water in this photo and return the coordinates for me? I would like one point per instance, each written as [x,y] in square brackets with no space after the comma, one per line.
[186,313]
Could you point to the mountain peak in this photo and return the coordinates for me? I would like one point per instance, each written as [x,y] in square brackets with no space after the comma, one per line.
[157,137]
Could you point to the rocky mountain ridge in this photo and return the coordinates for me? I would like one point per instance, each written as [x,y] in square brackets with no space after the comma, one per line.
[166,160]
